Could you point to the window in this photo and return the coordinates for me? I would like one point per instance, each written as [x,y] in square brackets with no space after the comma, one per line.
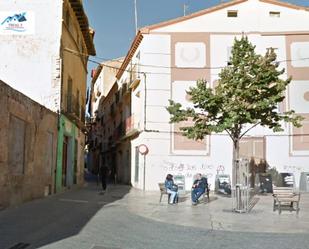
[17,136]
[274,13]
[232,13]
[69,94]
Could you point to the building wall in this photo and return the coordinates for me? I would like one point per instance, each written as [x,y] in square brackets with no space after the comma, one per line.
[74,55]
[183,52]
[30,59]
[28,145]
[71,139]
[253,15]
[74,156]
[47,61]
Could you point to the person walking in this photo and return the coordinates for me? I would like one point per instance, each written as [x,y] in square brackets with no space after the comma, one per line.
[171,189]
[104,173]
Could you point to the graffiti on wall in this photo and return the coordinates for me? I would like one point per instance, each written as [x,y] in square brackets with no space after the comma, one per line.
[293,169]
[188,169]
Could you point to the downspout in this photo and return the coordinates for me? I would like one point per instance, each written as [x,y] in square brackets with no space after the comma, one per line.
[145,104]
[145,107]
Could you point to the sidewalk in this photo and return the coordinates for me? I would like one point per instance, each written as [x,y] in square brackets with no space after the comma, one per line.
[218,215]
[132,219]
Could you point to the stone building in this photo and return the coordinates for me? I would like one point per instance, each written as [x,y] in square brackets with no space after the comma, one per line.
[28,142]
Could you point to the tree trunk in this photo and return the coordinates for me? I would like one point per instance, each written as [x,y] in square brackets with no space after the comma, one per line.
[235,171]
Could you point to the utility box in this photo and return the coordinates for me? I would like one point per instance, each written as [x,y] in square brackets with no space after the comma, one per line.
[223,184]
[304,182]
[179,180]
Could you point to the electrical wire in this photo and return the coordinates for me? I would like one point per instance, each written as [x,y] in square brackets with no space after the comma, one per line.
[77,53]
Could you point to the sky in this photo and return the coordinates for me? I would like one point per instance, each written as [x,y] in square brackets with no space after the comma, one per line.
[113,20]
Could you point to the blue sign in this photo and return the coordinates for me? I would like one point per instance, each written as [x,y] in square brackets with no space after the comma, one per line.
[15,22]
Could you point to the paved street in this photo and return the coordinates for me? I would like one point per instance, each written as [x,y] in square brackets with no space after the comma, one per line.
[129,218]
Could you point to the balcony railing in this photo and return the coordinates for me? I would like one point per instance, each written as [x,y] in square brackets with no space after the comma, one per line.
[131,125]
[73,105]
[112,109]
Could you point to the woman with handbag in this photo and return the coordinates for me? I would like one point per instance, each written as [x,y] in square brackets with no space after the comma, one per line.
[171,189]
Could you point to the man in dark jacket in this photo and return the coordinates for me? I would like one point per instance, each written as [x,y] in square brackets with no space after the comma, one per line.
[200,185]
[104,173]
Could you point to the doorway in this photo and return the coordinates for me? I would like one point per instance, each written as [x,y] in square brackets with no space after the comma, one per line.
[64,161]
[136,175]
[75,161]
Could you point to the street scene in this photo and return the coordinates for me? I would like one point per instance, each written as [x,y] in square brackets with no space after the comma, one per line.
[154,124]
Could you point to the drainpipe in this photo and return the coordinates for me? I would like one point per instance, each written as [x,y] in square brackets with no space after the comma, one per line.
[145,104]
[144,175]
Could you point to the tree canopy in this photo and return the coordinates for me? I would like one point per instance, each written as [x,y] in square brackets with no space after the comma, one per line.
[248,92]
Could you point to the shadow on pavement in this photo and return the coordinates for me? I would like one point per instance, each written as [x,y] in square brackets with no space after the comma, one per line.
[42,222]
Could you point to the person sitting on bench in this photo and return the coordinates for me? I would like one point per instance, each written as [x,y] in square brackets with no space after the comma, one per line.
[171,189]
[200,185]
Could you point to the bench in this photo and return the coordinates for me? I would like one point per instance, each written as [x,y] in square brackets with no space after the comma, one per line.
[206,193]
[285,197]
[163,191]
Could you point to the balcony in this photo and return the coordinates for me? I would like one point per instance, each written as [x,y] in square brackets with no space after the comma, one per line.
[131,127]
[73,106]
[135,77]
[74,111]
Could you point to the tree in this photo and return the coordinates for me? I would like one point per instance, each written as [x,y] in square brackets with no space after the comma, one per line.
[248,93]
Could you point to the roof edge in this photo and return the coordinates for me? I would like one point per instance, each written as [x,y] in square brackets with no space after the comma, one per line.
[285,4]
[137,40]
[87,32]
[149,28]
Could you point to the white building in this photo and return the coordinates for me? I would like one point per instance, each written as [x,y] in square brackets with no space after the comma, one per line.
[44,47]
[169,57]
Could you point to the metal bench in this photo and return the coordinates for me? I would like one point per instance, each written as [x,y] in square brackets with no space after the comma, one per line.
[285,197]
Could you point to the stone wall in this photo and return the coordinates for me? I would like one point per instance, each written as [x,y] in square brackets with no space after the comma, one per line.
[28,142]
